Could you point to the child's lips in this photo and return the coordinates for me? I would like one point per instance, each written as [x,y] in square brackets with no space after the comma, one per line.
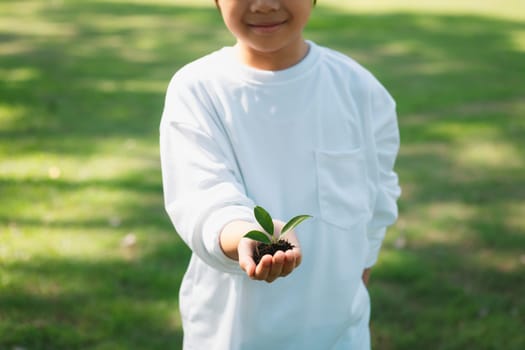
[266,27]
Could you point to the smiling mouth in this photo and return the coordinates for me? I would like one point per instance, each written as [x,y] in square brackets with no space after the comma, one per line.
[266,27]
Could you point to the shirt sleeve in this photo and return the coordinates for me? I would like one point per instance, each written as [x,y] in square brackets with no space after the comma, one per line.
[203,189]
[386,143]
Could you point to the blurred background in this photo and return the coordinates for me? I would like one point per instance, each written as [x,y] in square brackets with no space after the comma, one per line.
[88,258]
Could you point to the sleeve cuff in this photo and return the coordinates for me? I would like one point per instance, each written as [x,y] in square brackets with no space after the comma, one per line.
[375,240]
[211,232]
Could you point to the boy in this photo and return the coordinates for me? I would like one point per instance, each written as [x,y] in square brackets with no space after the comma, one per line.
[280,122]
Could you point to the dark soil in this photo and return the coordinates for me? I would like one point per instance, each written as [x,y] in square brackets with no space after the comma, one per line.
[264,249]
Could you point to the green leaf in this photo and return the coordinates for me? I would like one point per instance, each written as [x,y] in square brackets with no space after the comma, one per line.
[258,236]
[294,222]
[264,219]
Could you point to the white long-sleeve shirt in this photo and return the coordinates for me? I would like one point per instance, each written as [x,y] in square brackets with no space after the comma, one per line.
[319,138]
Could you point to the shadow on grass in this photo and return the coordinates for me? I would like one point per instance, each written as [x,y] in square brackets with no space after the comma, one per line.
[80,304]
[91,71]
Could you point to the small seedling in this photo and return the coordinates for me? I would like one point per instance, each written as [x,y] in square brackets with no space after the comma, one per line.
[268,241]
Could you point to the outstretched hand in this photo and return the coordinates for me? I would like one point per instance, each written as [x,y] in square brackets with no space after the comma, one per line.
[270,267]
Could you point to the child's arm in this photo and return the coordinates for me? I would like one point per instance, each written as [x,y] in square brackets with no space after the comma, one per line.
[203,188]
[269,268]
[386,143]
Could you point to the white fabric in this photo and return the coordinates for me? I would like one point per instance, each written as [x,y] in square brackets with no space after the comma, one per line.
[319,138]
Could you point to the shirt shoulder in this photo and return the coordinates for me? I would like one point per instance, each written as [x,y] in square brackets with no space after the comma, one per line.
[204,69]
[190,93]
[349,70]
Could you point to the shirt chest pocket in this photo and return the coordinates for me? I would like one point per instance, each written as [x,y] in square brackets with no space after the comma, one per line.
[342,186]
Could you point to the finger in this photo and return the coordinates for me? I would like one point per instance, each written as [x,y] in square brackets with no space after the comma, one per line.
[296,249]
[289,263]
[248,265]
[245,251]
[298,256]
[277,266]
[263,268]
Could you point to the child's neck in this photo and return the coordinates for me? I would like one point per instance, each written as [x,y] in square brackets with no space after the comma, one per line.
[274,60]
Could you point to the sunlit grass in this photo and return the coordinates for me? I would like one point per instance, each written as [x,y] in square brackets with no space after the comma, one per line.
[512,9]
[496,155]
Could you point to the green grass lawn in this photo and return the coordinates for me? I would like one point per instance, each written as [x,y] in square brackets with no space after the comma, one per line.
[88,258]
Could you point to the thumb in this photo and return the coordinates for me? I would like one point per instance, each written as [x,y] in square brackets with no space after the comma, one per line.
[245,251]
